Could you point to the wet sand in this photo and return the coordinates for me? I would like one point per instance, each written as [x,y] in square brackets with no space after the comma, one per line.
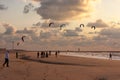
[29,67]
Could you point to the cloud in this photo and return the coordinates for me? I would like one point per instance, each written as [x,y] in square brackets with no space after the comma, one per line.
[68,39]
[45,24]
[112,33]
[30,33]
[70,33]
[38,24]
[3,7]
[25,31]
[27,8]
[64,9]
[115,23]
[100,38]
[85,43]
[98,23]
[108,38]
[9,29]
[45,35]
[78,29]
[36,0]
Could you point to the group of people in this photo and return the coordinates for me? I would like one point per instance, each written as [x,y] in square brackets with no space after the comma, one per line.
[46,54]
[43,54]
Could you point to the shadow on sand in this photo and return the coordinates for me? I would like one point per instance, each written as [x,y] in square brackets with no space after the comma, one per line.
[55,62]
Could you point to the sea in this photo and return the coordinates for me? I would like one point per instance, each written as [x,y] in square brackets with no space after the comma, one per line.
[103,55]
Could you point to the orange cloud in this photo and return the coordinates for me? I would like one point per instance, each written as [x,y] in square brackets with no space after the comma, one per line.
[64,9]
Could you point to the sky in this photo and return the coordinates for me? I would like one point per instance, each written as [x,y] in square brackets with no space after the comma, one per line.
[31,18]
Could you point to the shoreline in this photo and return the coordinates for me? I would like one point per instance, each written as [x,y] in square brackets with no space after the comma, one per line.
[93,55]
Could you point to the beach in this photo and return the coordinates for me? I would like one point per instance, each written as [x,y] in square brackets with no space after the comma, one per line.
[29,67]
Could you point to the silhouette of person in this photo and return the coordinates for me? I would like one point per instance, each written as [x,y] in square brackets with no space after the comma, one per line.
[16,54]
[56,53]
[42,54]
[110,56]
[49,53]
[38,54]
[46,54]
[6,59]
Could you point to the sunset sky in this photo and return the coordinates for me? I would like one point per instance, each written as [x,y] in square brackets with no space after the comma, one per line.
[31,18]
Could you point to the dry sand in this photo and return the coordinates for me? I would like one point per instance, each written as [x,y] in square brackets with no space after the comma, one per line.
[60,68]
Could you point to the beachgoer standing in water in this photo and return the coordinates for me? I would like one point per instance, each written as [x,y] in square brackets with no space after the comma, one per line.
[16,54]
[6,59]
[38,54]
[56,53]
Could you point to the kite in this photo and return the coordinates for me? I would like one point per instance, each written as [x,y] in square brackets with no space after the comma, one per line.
[18,43]
[82,25]
[93,27]
[23,38]
[50,24]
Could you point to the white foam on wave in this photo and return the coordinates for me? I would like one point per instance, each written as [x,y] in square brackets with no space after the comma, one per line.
[104,55]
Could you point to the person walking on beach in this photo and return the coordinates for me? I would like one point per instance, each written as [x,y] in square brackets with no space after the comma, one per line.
[6,59]
[46,54]
[110,56]
[16,54]
[56,53]
[42,54]
[38,54]
[49,53]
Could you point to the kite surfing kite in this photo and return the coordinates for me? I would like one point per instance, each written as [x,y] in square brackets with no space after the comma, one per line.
[93,27]
[22,38]
[82,25]
[18,43]
[50,24]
